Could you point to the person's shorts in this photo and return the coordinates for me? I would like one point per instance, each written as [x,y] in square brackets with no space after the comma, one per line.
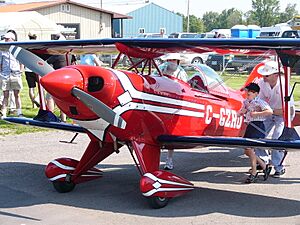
[12,83]
[31,79]
[255,129]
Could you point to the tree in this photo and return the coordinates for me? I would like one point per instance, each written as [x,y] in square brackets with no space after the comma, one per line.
[249,18]
[265,12]
[289,12]
[229,18]
[210,20]
[196,25]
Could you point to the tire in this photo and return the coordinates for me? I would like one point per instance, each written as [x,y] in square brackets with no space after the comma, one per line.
[63,186]
[197,60]
[157,202]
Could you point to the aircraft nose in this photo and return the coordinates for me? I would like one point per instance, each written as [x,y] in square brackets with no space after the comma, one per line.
[59,83]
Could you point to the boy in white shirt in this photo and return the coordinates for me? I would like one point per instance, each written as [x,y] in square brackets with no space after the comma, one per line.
[255,111]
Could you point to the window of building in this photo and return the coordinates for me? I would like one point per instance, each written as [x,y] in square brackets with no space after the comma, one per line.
[65,8]
[162,30]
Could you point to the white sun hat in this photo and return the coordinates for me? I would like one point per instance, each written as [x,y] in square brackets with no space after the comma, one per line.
[170,56]
[269,68]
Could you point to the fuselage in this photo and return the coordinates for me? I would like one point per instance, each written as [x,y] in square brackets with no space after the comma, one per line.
[151,105]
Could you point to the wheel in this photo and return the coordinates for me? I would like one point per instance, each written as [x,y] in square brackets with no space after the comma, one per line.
[197,60]
[158,202]
[63,186]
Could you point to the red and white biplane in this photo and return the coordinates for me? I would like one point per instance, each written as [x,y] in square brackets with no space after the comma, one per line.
[146,111]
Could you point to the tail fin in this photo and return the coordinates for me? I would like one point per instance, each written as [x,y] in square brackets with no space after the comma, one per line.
[254,76]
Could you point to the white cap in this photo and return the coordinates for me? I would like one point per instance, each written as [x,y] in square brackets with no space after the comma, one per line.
[170,56]
[9,35]
[270,67]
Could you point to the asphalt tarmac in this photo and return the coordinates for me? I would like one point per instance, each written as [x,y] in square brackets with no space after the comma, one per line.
[220,197]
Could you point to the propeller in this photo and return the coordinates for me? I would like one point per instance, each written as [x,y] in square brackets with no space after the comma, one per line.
[99,108]
[31,61]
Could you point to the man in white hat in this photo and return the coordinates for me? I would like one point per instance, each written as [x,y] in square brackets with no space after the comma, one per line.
[172,66]
[10,76]
[271,93]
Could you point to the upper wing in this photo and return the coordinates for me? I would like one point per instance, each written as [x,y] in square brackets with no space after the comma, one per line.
[168,141]
[162,46]
[54,125]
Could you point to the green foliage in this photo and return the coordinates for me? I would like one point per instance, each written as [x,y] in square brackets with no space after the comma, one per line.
[210,20]
[27,110]
[289,12]
[265,12]
[229,18]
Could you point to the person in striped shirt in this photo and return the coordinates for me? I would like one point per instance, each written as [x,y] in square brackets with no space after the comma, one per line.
[255,111]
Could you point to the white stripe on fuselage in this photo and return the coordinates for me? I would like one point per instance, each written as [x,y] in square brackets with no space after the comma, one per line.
[102,125]
[127,85]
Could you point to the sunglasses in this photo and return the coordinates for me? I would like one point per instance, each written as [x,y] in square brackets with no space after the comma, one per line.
[270,75]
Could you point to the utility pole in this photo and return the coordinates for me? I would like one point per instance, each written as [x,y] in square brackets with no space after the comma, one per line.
[188,16]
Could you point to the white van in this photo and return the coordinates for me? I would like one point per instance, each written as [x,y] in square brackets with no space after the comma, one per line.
[273,32]
[24,22]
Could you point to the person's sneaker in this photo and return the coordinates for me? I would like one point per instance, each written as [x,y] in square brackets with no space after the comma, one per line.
[267,171]
[168,165]
[278,174]
[259,169]
[251,179]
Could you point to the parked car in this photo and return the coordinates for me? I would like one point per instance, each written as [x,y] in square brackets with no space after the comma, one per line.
[194,58]
[152,35]
[291,34]
[242,63]
[218,62]
[182,35]
[205,35]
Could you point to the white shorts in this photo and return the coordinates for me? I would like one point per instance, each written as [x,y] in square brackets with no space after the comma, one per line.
[12,83]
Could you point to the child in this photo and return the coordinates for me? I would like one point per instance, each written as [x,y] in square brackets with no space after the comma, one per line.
[255,111]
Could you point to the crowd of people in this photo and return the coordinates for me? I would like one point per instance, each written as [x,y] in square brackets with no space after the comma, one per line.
[262,108]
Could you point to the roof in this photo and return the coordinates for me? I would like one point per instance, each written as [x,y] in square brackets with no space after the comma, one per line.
[124,8]
[33,6]
[127,8]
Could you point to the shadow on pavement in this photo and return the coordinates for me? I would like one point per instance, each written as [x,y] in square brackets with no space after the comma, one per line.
[24,184]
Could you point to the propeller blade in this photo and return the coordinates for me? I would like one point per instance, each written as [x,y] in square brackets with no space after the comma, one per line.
[99,108]
[31,61]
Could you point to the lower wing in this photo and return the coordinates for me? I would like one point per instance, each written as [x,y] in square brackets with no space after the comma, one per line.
[289,141]
[54,125]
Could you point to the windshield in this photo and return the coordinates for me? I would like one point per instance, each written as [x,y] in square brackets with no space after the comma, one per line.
[214,81]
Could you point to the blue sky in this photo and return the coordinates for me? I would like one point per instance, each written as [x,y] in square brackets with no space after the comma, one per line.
[197,7]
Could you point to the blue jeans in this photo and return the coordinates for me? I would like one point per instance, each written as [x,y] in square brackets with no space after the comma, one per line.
[277,123]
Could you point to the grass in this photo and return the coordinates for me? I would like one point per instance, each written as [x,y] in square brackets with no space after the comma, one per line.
[234,81]
[27,110]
